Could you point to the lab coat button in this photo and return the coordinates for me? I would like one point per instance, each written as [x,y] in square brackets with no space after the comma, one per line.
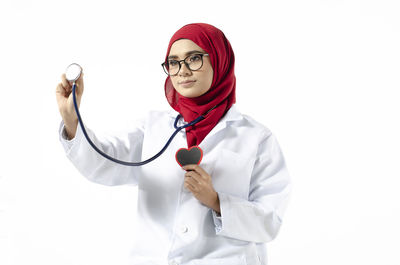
[183,229]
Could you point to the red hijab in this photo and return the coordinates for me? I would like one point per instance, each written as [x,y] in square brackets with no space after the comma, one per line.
[222,90]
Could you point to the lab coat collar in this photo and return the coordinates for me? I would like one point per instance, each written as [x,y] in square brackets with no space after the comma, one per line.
[233,114]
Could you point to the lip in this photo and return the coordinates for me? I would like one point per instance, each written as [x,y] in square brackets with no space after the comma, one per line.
[187,83]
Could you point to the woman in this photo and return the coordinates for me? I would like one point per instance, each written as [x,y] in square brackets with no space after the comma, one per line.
[222,211]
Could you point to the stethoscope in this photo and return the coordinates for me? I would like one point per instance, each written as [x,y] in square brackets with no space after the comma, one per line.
[72,73]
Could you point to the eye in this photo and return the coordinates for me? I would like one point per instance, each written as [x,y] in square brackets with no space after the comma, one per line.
[172,63]
[195,58]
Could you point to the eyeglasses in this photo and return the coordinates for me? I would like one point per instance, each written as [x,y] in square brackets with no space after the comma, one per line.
[194,62]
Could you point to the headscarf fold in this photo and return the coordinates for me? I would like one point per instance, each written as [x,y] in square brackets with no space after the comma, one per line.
[222,90]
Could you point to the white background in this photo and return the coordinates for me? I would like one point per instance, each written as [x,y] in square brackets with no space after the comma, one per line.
[322,75]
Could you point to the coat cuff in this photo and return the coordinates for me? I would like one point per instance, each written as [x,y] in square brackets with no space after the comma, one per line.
[226,223]
[217,221]
[218,218]
[68,144]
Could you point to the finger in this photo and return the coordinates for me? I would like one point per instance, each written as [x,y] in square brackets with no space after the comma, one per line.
[195,180]
[194,175]
[190,181]
[60,91]
[80,79]
[189,185]
[79,84]
[199,179]
[197,169]
[65,82]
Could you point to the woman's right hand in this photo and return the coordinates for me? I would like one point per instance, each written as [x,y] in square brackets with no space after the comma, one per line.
[65,103]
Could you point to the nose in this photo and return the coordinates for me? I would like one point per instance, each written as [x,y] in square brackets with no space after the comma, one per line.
[184,71]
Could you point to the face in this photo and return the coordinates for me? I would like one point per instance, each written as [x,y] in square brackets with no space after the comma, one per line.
[190,83]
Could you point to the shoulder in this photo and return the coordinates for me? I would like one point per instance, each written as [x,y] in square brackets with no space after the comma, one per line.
[258,135]
[248,136]
[250,126]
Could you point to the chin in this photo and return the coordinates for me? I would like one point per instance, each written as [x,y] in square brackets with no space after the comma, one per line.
[187,93]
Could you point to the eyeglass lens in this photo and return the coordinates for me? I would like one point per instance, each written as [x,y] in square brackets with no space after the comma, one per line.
[194,62]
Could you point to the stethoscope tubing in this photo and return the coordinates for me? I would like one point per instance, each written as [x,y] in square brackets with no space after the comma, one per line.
[201,117]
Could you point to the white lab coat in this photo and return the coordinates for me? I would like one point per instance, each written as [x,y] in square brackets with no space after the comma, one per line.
[247,169]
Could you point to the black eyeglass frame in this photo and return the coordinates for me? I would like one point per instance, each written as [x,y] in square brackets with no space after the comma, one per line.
[163,65]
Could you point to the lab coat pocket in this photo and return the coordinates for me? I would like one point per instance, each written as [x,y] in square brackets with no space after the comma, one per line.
[234,260]
[232,173]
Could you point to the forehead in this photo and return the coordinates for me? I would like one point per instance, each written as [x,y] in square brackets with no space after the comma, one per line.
[181,48]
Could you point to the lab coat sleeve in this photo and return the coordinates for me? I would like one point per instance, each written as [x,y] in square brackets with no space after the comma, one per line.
[259,218]
[125,146]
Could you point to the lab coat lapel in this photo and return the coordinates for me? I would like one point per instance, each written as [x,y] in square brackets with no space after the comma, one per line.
[232,115]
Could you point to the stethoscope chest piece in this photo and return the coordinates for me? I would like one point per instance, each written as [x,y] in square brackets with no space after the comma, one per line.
[73,72]
[185,156]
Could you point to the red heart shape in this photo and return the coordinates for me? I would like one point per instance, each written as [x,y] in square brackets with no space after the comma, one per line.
[185,156]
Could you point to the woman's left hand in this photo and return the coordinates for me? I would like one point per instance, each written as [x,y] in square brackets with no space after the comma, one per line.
[198,181]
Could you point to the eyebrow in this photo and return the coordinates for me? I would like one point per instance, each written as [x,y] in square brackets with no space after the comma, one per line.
[188,53]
